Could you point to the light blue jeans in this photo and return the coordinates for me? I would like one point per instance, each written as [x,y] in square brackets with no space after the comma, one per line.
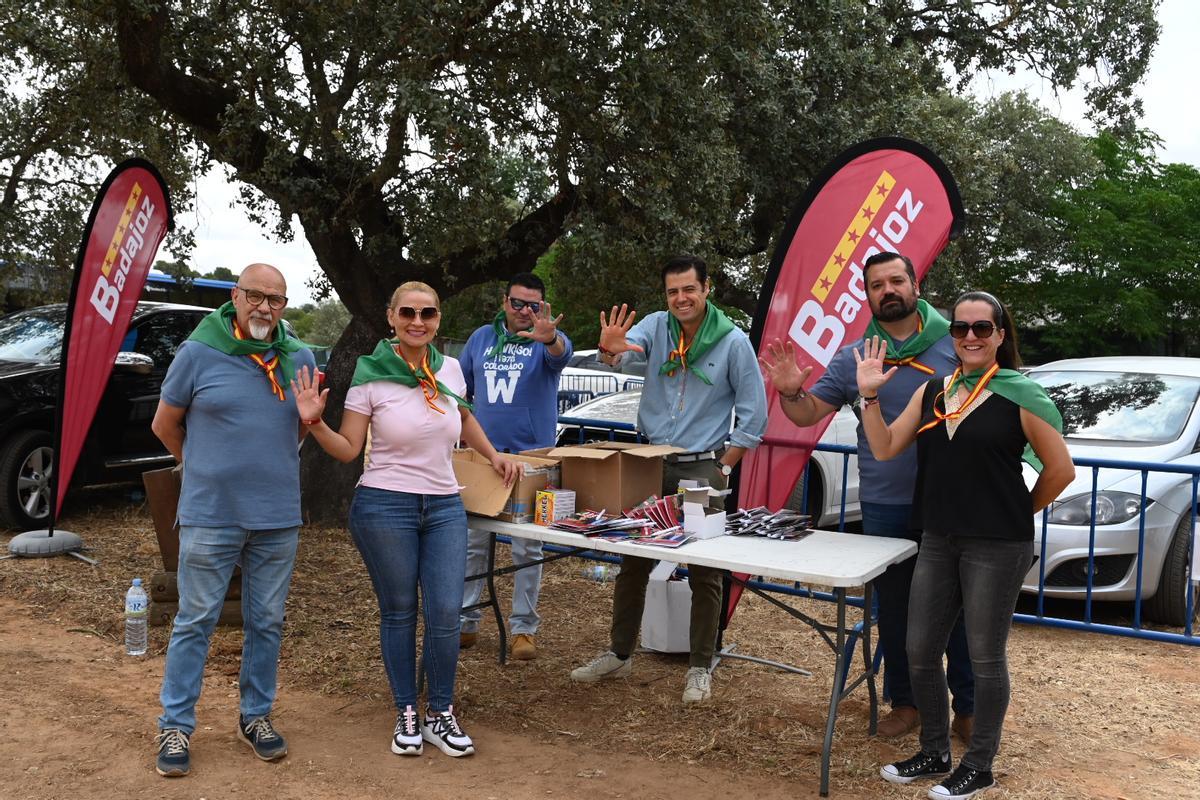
[207,557]
[408,540]
[527,583]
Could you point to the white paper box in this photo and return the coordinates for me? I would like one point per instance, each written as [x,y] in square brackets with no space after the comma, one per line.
[666,620]
[702,522]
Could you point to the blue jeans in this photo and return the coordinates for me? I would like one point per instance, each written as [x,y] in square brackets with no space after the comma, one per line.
[408,540]
[207,557]
[527,583]
[979,578]
[892,590]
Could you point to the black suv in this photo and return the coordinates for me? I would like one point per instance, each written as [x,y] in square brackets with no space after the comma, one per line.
[120,445]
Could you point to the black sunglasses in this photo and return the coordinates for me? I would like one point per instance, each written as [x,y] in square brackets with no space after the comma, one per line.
[534,305]
[981,328]
[408,312]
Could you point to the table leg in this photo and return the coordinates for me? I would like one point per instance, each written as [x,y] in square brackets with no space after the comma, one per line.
[835,696]
[868,659]
[493,602]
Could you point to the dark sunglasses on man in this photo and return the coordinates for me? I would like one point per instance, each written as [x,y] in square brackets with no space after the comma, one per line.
[535,306]
[981,328]
[255,298]
[408,312]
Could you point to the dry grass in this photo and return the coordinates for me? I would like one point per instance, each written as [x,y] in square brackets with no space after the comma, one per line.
[1091,716]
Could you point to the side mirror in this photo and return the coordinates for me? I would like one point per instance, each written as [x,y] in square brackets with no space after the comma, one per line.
[133,363]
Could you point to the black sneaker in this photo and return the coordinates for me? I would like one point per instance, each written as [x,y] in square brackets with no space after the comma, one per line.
[965,782]
[406,741]
[922,765]
[441,730]
[174,760]
[260,734]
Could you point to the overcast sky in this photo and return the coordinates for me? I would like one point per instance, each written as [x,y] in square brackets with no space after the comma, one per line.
[225,238]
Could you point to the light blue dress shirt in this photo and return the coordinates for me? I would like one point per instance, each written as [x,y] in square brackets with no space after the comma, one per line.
[684,411]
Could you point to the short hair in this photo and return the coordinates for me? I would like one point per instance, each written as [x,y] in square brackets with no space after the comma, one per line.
[882,258]
[682,263]
[1007,355]
[528,280]
[414,286]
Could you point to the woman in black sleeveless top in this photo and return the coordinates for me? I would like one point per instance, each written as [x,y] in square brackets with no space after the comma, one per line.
[972,431]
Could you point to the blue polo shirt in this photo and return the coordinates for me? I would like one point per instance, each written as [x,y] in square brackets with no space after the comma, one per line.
[891,482]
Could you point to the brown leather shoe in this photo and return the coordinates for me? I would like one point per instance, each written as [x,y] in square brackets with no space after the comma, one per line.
[467,639]
[523,647]
[963,726]
[897,722]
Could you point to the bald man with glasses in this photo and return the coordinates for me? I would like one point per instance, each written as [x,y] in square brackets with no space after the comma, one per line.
[512,367]
[227,416]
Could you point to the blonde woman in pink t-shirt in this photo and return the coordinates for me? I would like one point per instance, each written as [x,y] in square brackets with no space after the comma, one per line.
[407,517]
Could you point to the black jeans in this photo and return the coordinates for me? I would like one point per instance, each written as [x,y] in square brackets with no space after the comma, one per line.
[981,577]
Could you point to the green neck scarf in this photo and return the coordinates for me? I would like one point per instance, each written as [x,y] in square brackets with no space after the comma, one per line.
[931,327]
[216,331]
[385,365]
[712,330]
[1016,388]
[503,337]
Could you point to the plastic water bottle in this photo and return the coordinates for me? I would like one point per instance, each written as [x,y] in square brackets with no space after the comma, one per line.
[137,609]
[600,573]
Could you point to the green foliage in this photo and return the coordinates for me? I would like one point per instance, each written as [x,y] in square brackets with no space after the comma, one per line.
[319,324]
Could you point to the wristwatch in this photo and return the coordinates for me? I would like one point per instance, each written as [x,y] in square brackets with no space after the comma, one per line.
[726,469]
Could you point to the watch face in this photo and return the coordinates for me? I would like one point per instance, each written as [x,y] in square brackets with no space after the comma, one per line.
[726,470]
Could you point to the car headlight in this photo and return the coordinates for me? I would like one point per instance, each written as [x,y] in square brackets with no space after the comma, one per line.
[1111,508]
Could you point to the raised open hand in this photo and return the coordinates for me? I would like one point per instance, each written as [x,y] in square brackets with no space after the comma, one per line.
[779,364]
[613,329]
[310,399]
[545,326]
[870,366]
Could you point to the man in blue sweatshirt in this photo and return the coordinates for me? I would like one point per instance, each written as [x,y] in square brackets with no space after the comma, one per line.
[512,368]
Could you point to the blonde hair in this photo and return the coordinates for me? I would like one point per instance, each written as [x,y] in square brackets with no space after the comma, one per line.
[414,286]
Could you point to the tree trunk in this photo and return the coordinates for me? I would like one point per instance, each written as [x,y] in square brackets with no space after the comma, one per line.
[327,485]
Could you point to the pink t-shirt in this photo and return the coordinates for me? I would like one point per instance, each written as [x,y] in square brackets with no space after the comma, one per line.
[411,444]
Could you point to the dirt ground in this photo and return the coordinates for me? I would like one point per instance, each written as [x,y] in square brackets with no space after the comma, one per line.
[1091,716]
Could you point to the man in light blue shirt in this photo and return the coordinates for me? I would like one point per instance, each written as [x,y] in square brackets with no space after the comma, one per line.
[702,372]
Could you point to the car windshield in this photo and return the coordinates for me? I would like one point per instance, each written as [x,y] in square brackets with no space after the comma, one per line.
[32,335]
[1123,407]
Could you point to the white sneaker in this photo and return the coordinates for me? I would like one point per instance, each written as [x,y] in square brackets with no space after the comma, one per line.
[698,685]
[406,741]
[603,667]
[441,729]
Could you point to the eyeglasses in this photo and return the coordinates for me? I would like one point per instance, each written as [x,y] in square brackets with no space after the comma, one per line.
[255,298]
[981,328]
[408,312]
[535,306]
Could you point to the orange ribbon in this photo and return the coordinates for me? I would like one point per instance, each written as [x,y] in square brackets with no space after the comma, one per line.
[971,398]
[268,366]
[910,361]
[679,352]
[428,383]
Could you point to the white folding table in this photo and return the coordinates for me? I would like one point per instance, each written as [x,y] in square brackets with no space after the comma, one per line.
[825,558]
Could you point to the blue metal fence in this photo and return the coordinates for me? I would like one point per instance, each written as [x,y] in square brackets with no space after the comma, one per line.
[592,429]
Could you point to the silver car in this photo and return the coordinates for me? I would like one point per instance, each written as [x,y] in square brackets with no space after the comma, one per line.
[1127,409]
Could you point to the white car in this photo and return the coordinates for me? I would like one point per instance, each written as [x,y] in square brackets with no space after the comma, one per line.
[825,468]
[1127,409]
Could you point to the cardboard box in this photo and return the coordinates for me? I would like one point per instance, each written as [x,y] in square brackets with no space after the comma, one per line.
[667,617]
[544,454]
[702,522]
[552,504]
[484,491]
[612,475]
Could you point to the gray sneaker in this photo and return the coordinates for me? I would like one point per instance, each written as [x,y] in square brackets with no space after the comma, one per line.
[697,686]
[603,667]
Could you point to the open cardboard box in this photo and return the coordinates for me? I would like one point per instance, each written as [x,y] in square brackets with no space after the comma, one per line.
[484,491]
[703,511]
[612,475]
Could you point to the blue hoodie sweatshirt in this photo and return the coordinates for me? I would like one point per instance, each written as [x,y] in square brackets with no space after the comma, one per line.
[515,393]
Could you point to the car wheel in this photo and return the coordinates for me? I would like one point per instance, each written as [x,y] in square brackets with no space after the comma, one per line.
[1168,606]
[816,494]
[26,464]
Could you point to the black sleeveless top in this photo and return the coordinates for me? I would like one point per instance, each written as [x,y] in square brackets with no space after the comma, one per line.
[971,485]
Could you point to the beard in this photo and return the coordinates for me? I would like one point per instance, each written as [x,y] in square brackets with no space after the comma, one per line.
[893,307]
[260,329]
